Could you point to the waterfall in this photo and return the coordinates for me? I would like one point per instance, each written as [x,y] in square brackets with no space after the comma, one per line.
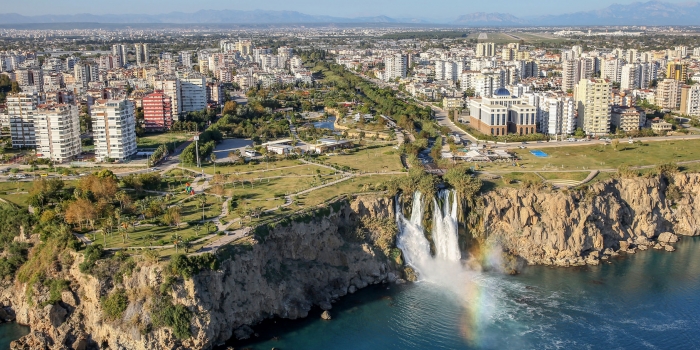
[445,227]
[416,248]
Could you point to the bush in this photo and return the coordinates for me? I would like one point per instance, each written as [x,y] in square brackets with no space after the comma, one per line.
[177,317]
[114,305]
[187,267]
[56,287]
[92,253]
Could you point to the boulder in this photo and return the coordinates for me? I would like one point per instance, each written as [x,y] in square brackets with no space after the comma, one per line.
[80,344]
[326,315]
[668,237]
[669,248]
[624,245]
[57,314]
[352,289]
[658,246]
[243,333]
[324,305]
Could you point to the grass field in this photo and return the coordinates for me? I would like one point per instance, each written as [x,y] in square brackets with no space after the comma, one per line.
[381,159]
[355,185]
[604,157]
[156,139]
[577,176]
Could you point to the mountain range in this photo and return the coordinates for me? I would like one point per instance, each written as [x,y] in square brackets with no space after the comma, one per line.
[638,13]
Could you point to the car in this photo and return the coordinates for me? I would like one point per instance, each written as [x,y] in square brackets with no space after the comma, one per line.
[522,147]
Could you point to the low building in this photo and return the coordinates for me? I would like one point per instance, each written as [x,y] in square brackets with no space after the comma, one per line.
[328,145]
[627,118]
[661,126]
[280,149]
[450,103]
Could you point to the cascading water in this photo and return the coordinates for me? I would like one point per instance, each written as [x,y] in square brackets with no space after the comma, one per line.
[445,227]
[416,248]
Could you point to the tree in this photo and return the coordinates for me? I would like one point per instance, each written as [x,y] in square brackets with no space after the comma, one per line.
[196,229]
[229,108]
[615,143]
[208,226]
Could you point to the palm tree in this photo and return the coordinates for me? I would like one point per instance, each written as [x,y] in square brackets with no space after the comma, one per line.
[208,226]
[177,240]
[196,229]
[150,238]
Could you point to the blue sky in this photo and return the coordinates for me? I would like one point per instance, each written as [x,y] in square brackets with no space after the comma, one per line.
[436,9]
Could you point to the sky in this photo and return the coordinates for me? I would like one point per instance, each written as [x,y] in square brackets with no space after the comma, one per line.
[435,9]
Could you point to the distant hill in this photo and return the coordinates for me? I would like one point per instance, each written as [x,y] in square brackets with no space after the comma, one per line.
[477,19]
[638,13]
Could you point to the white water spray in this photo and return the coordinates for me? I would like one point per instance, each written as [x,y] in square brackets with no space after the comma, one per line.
[415,246]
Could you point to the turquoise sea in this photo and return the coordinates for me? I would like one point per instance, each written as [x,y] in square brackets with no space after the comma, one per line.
[650,300]
[10,332]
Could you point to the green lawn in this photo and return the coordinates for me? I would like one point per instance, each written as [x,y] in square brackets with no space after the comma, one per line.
[577,176]
[153,140]
[356,185]
[145,236]
[604,157]
[380,159]
[246,168]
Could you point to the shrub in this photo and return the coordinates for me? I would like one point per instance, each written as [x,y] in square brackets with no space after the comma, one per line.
[92,253]
[114,305]
[187,267]
[177,317]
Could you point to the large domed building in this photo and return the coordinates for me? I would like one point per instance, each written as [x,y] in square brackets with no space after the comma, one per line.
[502,114]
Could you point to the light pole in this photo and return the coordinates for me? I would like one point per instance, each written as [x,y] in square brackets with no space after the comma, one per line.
[196,150]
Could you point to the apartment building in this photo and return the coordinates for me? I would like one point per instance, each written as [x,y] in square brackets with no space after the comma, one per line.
[593,98]
[627,118]
[690,100]
[193,94]
[157,111]
[170,86]
[668,94]
[394,67]
[57,132]
[20,112]
[114,129]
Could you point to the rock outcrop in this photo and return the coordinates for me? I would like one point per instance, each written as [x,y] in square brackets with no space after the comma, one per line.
[302,263]
[576,228]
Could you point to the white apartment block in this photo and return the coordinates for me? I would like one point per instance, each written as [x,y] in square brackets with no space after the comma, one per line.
[114,129]
[21,109]
[171,88]
[629,78]
[485,50]
[395,67]
[193,94]
[57,132]
[668,94]
[186,58]
[691,100]
[593,98]
[611,69]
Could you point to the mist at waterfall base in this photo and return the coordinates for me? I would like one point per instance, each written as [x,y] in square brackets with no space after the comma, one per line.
[647,300]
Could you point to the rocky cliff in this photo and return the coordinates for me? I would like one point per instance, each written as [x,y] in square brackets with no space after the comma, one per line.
[284,271]
[581,227]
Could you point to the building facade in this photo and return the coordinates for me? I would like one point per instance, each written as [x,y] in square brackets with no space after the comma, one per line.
[114,129]
[593,98]
[57,132]
[21,108]
[157,111]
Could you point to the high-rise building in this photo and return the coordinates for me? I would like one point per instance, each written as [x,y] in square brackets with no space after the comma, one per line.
[57,132]
[593,98]
[157,111]
[394,67]
[141,53]
[120,50]
[485,50]
[612,69]
[570,74]
[85,72]
[676,71]
[560,115]
[668,94]
[630,76]
[528,69]
[171,88]
[245,47]
[193,94]
[114,129]
[20,111]
[186,58]
[690,100]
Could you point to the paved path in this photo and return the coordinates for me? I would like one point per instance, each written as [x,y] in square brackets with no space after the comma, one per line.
[224,240]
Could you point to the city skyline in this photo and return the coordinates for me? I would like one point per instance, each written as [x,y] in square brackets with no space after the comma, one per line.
[359,8]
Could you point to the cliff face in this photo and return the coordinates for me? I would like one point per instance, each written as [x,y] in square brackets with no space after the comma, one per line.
[560,228]
[296,266]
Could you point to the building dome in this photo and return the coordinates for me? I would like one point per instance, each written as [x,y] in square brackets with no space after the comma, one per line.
[502,92]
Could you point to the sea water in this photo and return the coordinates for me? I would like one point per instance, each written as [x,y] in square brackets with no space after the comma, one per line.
[647,300]
[10,332]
